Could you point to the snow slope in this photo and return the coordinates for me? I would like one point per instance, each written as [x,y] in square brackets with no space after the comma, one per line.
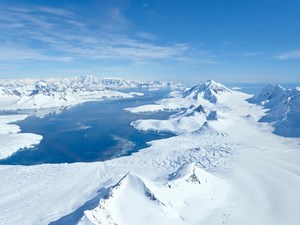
[252,177]
[189,190]
[50,93]
[284,109]
[11,140]
[54,191]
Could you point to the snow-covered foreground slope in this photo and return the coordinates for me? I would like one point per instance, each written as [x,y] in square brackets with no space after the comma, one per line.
[50,93]
[247,174]
[11,140]
[53,191]
[178,200]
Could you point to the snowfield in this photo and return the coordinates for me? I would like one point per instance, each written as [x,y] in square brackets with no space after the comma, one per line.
[225,166]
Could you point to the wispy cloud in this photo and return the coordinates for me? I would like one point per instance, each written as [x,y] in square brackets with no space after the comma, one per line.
[146,35]
[294,54]
[115,20]
[55,11]
[250,54]
[31,34]
[10,53]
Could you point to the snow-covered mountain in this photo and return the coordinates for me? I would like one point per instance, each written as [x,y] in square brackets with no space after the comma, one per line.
[201,103]
[284,108]
[208,90]
[86,82]
[36,94]
[269,96]
[175,200]
[209,101]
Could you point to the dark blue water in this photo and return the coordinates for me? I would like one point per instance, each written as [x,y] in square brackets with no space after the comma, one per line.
[93,131]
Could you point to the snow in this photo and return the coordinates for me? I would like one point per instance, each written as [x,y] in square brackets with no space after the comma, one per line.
[205,93]
[55,99]
[175,202]
[54,93]
[195,106]
[11,140]
[284,109]
[227,168]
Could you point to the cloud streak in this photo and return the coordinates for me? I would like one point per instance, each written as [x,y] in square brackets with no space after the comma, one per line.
[19,53]
[250,54]
[294,54]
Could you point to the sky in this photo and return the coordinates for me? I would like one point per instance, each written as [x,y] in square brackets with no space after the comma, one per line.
[178,40]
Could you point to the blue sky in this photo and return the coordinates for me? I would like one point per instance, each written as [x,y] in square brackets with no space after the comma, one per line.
[184,41]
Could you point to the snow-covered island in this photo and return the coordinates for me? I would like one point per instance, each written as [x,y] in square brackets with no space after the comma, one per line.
[11,140]
[226,165]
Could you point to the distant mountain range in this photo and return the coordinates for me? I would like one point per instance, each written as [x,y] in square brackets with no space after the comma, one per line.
[83,82]
[50,93]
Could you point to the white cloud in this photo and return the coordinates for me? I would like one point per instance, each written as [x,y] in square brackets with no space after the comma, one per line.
[146,35]
[55,11]
[294,54]
[249,54]
[13,53]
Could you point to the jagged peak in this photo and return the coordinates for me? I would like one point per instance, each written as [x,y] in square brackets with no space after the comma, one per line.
[272,88]
[212,85]
[268,93]
[128,178]
[210,89]
[213,115]
[187,173]
[211,81]
[132,181]
[199,109]
[207,129]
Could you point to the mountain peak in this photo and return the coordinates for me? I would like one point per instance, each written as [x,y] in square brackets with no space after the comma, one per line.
[188,173]
[208,90]
[270,93]
[211,81]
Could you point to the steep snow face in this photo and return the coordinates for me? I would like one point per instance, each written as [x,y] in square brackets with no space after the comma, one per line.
[269,96]
[288,114]
[171,201]
[52,93]
[208,90]
[284,109]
